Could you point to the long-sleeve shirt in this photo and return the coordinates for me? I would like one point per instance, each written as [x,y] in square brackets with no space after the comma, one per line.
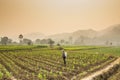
[64,54]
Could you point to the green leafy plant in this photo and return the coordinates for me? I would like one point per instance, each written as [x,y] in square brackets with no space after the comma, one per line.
[1,75]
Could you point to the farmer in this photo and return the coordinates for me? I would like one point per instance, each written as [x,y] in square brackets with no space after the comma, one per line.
[64,55]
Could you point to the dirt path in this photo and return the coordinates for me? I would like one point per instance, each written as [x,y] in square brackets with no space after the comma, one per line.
[107,68]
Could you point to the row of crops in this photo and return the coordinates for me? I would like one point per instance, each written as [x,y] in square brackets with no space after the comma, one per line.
[47,64]
[116,75]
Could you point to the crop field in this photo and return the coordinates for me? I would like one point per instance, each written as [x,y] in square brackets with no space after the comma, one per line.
[42,63]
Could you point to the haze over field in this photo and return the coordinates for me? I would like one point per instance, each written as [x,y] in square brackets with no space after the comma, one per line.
[59,39]
[56,16]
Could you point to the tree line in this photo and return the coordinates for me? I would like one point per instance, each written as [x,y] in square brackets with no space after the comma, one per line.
[25,41]
[22,41]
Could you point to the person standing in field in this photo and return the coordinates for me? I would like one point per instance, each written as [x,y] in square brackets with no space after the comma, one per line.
[64,55]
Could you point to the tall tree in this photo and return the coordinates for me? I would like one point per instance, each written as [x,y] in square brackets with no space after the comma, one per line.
[21,38]
[37,41]
[9,41]
[51,42]
[107,42]
[27,41]
[70,39]
[0,39]
[82,39]
[4,40]
[44,41]
[62,41]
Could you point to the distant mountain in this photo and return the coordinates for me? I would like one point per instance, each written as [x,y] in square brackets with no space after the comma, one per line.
[83,37]
[74,35]
[111,33]
[110,29]
[90,36]
[58,37]
[34,36]
[86,33]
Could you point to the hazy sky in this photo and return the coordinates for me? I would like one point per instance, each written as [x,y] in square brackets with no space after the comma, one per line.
[56,16]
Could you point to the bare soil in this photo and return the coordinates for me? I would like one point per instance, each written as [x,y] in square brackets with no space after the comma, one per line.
[102,71]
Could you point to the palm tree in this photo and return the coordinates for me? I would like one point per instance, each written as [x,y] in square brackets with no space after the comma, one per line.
[21,38]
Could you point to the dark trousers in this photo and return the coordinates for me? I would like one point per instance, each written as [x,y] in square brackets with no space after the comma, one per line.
[64,59]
